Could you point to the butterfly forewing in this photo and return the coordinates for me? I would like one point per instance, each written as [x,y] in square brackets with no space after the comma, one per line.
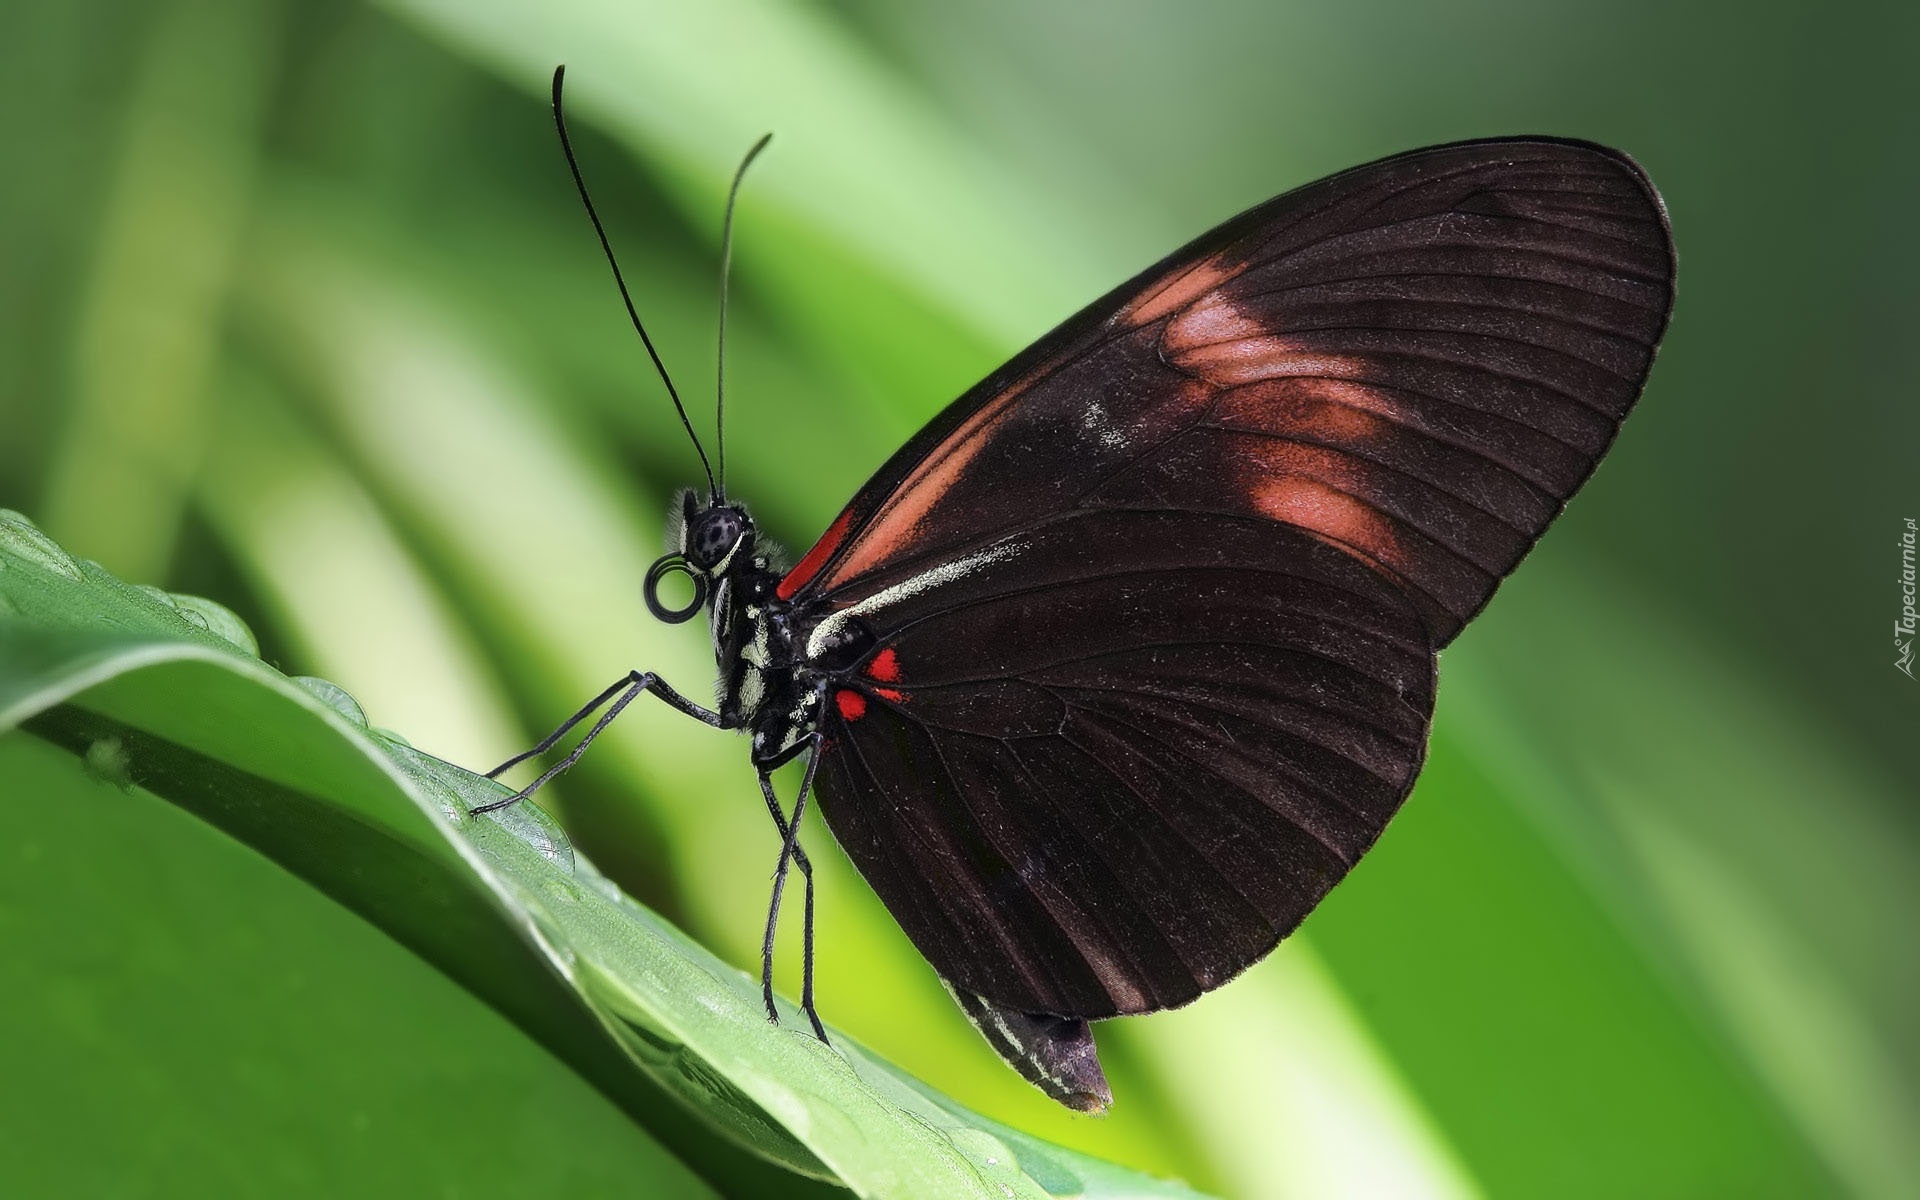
[1421,358]
[1149,616]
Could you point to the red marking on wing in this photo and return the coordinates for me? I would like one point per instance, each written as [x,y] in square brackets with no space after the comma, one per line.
[894,524]
[852,705]
[809,566]
[885,666]
[893,694]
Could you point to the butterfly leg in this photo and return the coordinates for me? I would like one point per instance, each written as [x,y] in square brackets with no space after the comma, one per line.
[779,816]
[790,851]
[626,690]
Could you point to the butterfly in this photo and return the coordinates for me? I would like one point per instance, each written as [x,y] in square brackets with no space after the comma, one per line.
[1114,670]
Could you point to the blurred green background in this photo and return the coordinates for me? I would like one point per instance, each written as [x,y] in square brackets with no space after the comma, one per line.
[298,310]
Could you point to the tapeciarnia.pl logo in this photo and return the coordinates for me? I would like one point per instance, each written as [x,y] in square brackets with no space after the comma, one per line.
[1903,626]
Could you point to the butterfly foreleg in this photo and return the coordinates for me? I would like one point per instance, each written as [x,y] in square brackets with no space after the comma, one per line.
[790,851]
[622,692]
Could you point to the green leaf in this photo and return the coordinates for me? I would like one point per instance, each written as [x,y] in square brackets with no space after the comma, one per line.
[142,687]
[187,1019]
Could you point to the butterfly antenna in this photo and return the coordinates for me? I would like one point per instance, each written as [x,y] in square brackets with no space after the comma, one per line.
[566,145]
[726,264]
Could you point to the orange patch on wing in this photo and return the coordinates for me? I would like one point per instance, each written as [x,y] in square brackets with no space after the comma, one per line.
[1341,424]
[1311,504]
[1355,395]
[1250,360]
[1332,411]
[1179,289]
[1222,343]
[1210,323]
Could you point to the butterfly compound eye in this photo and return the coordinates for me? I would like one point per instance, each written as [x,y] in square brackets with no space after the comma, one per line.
[664,567]
[712,535]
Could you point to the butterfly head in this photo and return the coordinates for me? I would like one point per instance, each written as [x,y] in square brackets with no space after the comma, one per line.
[715,536]
[711,539]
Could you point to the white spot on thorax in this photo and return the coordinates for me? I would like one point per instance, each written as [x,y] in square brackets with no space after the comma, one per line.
[753,690]
[756,649]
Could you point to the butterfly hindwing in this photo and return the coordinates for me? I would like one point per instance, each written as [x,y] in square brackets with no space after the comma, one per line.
[1126,754]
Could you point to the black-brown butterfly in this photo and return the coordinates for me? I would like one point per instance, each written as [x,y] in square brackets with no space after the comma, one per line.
[1119,666]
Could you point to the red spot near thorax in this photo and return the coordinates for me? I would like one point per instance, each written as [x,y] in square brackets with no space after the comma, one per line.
[852,705]
[809,566]
[885,666]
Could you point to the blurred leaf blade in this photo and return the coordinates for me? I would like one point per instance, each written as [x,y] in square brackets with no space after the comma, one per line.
[861,154]
[1284,1046]
[1769,925]
[149,338]
[1476,957]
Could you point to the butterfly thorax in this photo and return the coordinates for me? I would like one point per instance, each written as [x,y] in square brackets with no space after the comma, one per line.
[767,687]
